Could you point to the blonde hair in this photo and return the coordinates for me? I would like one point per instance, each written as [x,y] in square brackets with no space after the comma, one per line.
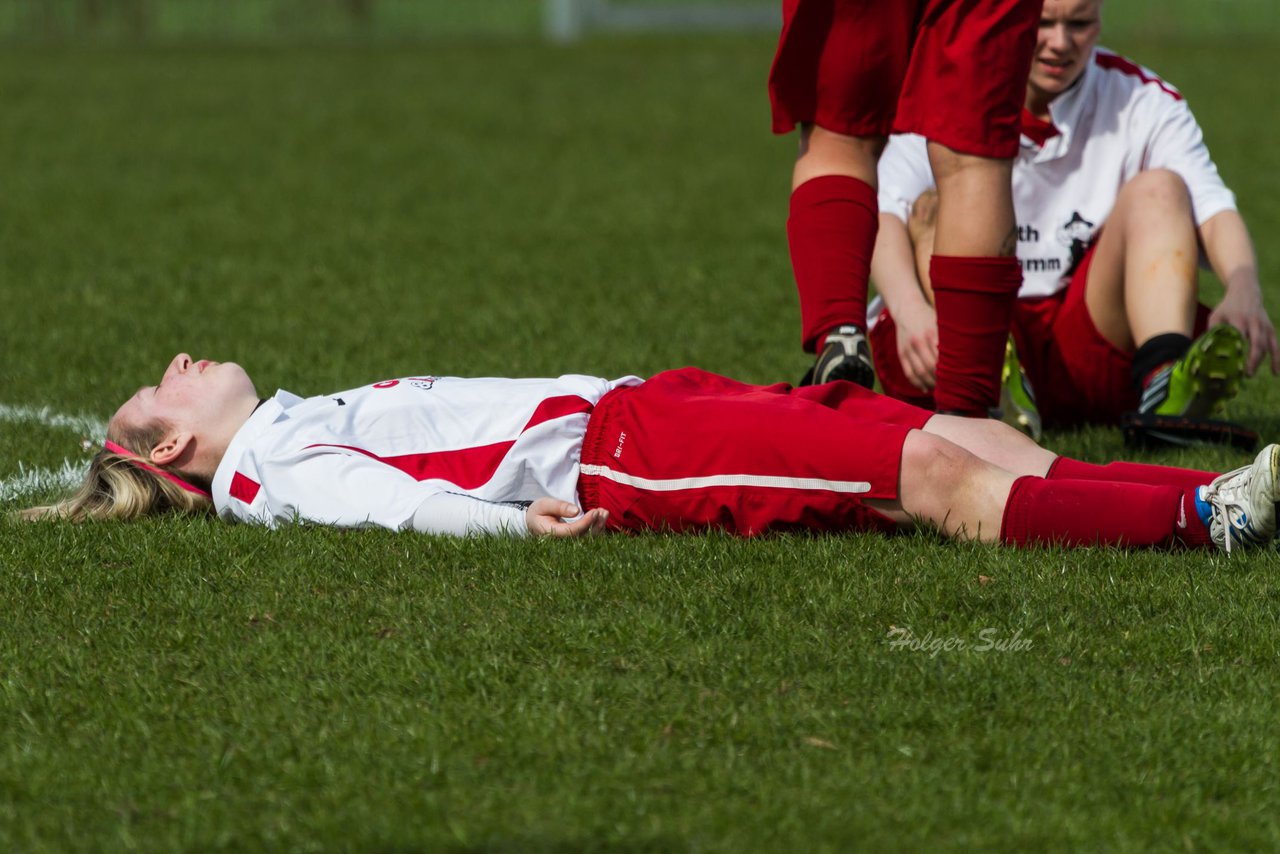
[117,488]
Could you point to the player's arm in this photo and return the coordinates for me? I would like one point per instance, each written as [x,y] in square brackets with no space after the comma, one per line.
[466,516]
[1177,143]
[343,490]
[893,268]
[463,515]
[1231,254]
[905,176]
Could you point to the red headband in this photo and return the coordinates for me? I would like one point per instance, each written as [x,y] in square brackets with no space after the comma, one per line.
[137,461]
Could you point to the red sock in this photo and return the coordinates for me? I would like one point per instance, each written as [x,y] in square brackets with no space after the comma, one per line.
[974,298]
[1090,512]
[1065,468]
[832,231]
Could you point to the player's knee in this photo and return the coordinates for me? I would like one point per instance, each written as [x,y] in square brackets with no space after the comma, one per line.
[998,434]
[1159,189]
[937,467]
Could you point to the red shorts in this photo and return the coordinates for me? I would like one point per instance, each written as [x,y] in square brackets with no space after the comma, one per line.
[690,450]
[954,71]
[1079,377]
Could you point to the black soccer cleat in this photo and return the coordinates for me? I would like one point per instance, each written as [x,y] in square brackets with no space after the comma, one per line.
[846,355]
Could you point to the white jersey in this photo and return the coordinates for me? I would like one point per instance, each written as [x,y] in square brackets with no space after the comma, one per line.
[435,454]
[1116,121]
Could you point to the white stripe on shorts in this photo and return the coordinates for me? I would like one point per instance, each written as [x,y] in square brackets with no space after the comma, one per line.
[760,480]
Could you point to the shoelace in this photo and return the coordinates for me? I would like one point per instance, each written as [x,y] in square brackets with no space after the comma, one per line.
[1220,498]
[1218,509]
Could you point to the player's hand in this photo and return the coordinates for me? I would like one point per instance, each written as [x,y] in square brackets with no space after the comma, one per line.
[917,332]
[1244,310]
[545,518]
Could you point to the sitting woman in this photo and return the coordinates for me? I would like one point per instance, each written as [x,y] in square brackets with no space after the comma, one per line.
[683,451]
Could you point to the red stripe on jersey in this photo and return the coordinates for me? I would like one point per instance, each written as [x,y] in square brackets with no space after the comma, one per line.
[557,407]
[243,488]
[1114,62]
[468,468]
[465,468]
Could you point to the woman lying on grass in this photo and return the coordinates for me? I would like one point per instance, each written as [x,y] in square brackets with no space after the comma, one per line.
[684,451]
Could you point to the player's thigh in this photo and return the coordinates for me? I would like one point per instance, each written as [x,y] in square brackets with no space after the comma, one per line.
[824,152]
[966,82]
[840,65]
[1103,284]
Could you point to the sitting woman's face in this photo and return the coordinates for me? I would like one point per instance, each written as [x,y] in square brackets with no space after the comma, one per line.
[1069,30]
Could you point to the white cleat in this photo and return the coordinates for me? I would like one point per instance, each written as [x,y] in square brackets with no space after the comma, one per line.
[1243,502]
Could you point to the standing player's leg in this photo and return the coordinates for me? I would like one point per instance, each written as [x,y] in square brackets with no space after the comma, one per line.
[836,75]
[831,231]
[975,277]
[964,92]
[1141,294]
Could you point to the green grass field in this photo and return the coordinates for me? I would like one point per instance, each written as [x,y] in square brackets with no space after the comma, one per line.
[330,216]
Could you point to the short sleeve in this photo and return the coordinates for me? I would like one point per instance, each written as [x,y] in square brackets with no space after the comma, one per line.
[1177,144]
[904,174]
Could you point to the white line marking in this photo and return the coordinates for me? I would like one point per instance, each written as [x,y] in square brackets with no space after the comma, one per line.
[94,428]
[29,481]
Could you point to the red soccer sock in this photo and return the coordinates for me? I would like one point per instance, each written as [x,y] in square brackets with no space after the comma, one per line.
[832,231]
[1090,512]
[974,299]
[1065,468]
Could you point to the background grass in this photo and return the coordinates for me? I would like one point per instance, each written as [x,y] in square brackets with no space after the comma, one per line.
[330,215]
[427,21]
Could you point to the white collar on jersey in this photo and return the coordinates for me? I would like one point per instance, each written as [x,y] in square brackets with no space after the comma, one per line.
[267,413]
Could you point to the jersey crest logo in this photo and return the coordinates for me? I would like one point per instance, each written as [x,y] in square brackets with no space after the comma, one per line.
[1076,234]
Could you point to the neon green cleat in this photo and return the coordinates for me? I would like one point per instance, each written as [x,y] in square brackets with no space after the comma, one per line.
[1017,399]
[1198,384]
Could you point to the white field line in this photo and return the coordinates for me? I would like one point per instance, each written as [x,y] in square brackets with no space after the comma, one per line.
[29,481]
[92,428]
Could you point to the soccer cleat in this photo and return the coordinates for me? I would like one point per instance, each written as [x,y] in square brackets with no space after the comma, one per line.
[1198,384]
[1017,399]
[1240,506]
[845,355]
